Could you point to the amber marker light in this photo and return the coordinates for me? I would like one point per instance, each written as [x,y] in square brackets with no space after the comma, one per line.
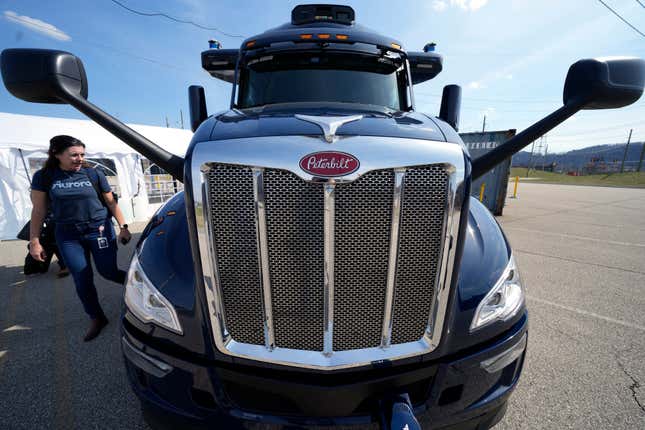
[250,44]
[395,45]
[306,36]
[342,36]
[324,36]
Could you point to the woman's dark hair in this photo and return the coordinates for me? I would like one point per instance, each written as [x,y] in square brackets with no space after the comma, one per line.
[58,144]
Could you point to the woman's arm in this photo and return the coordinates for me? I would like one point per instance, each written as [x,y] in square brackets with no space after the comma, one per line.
[113,206]
[38,213]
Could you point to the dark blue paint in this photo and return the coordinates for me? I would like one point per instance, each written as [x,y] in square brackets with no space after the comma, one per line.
[450,135]
[170,396]
[165,255]
[236,124]
[485,256]
[290,32]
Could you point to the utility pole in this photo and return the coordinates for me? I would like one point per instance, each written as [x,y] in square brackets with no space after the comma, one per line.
[539,150]
[640,161]
[484,124]
[528,166]
[546,151]
[181,117]
[622,165]
[167,124]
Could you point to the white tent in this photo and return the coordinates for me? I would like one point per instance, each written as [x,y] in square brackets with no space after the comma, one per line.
[25,139]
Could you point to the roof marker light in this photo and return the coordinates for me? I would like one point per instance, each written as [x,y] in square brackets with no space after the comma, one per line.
[250,44]
[395,45]
[342,36]
[324,36]
[306,36]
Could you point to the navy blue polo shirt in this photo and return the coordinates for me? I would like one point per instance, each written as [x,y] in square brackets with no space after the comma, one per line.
[72,197]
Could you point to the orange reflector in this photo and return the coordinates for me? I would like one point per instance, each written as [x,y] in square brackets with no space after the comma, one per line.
[342,36]
[396,46]
[306,36]
[324,36]
[250,44]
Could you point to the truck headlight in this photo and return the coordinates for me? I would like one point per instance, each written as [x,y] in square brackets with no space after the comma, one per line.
[146,302]
[503,300]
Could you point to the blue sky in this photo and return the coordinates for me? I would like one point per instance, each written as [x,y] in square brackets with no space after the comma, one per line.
[510,57]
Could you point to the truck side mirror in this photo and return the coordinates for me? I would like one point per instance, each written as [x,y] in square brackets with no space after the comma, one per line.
[221,63]
[605,83]
[197,106]
[424,66]
[602,83]
[451,105]
[48,76]
[43,76]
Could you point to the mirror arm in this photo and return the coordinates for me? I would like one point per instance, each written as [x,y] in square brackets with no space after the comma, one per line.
[171,163]
[489,160]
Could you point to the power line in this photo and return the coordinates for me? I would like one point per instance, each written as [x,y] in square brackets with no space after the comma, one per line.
[639,2]
[621,18]
[172,18]
[423,93]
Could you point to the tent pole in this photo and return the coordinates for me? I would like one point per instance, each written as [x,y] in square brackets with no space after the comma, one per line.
[24,164]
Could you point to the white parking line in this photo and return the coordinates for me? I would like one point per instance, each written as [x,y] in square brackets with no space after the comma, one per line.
[572,236]
[589,314]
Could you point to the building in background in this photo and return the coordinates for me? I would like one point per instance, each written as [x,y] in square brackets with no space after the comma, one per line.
[494,182]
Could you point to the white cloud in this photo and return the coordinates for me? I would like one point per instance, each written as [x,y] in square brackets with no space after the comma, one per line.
[439,5]
[476,85]
[506,76]
[37,25]
[476,4]
[469,5]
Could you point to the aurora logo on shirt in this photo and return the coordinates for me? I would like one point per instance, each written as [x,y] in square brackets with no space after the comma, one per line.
[67,185]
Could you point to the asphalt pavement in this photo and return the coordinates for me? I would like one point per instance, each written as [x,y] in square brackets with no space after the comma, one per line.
[49,377]
[581,252]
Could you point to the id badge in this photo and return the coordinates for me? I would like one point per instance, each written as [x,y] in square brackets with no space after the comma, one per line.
[103,242]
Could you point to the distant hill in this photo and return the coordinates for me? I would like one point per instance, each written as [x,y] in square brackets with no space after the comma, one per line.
[596,158]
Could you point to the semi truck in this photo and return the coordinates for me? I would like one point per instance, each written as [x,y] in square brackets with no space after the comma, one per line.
[325,265]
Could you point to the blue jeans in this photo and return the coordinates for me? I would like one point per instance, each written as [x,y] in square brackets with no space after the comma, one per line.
[76,242]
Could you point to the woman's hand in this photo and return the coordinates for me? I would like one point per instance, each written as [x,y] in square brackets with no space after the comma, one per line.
[38,212]
[37,251]
[124,236]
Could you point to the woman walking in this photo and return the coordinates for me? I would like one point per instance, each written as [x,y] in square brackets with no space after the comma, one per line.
[81,202]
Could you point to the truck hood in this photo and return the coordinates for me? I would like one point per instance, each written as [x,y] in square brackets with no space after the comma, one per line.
[412,125]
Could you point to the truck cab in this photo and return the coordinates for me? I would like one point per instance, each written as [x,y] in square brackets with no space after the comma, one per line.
[326,265]
[328,216]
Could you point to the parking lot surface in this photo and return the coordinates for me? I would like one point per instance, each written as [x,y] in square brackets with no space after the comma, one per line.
[581,252]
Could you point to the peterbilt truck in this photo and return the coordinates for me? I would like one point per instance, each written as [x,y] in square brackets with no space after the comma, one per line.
[325,265]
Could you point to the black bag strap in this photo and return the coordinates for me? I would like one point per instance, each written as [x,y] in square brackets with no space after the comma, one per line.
[93,176]
[47,179]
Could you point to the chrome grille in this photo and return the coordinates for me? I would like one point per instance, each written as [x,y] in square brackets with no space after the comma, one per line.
[233,223]
[362,231]
[420,243]
[295,251]
[294,210]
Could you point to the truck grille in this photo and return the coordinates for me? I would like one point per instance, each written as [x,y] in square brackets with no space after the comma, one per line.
[294,214]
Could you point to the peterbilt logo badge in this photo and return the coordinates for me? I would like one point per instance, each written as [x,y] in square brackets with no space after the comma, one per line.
[329,164]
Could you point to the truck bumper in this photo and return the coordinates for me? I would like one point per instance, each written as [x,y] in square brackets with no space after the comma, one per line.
[464,391]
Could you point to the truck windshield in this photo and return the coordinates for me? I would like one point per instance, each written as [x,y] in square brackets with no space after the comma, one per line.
[324,77]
